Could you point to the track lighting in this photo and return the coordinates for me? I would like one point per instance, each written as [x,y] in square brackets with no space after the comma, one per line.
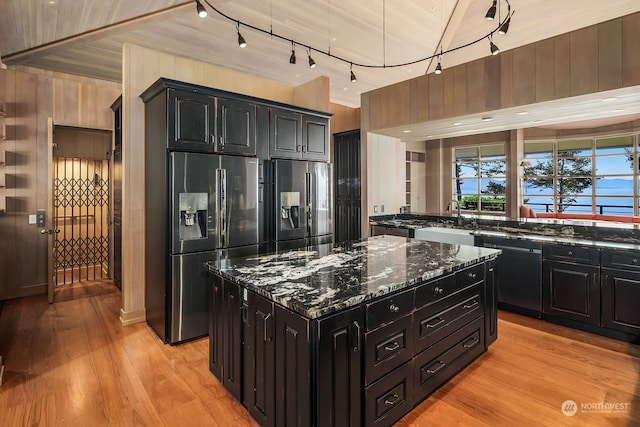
[438,68]
[493,47]
[292,58]
[312,63]
[241,41]
[202,12]
[491,13]
[504,27]
[353,76]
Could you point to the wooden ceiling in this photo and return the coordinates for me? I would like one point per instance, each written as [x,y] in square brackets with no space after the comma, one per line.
[85,37]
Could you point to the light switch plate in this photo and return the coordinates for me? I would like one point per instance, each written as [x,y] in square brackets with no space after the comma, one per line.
[32,219]
[41,218]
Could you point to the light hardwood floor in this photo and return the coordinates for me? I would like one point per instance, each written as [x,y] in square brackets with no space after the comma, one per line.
[71,363]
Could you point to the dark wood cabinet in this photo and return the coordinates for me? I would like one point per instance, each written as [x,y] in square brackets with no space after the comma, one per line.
[315,138]
[293,369]
[298,136]
[571,291]
[192,121]
[378,230]
[259,357]
[339,373]
[620,297]
[236,127]
[225,335]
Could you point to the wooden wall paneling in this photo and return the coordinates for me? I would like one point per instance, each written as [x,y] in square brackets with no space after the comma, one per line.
[545,70]
[414,100]
[44,96]
[70,115]
[436,96]
[455,93]
[422,93]
[314,94]
[475,86]
[630,49]
[344,118]
[610,54]
[524,79]
[375,98]
[506,79]
[365,113]
[492,82]
[562,68]
[8,229]
[584,61]
[394,104]
[88,106]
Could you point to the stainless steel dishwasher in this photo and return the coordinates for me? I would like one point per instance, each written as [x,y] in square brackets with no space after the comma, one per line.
[519,274]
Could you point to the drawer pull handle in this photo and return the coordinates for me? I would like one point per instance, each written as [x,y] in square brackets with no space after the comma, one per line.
[472,275]
[635,260]
[471,342]
[395,400]
[440,365]
[570,253]
[394,308]
[474,304]
[438,321]
[393,347]
[438,291]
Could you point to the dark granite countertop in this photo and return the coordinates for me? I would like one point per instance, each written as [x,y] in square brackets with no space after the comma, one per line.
[568,232]
[320,280]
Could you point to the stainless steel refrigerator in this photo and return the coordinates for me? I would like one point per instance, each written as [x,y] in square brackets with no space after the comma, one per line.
[303,203]
[213,210]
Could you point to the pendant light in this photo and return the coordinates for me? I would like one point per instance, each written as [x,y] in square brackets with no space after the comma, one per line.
[241,41]
[494,49]
[202,12]
[312,63]
[491,13]
[292,58]
[353,76]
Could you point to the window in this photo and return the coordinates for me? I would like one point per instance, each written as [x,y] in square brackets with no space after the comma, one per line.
[479,178]
[591,175]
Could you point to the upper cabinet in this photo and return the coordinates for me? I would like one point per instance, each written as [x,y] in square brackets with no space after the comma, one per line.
[189,117]
[298,136]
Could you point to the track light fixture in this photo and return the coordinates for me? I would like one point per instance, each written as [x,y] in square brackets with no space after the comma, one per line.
[491,13]
[241,41]
[312,63]
[493,47]
[292,58]
[202,12]
[501,28]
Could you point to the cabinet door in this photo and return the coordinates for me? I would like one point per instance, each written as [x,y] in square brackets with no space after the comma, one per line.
[232,344]
[491,304]
[339,369]
[293,369]
[572,291]
[620,296]
[236,131]
[191,121]
[315,134]
[216,326]
[285,136]
[259,379]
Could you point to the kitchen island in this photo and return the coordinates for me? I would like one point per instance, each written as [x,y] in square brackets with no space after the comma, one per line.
[351,334]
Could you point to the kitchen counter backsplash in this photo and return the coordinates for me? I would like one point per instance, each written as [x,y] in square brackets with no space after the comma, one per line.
[571,229]
[319,280]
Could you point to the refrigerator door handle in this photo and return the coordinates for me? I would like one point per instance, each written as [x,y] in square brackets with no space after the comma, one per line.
[222,191]
[309,201]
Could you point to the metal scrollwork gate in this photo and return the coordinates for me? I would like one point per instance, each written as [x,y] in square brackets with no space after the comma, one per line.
[81,205]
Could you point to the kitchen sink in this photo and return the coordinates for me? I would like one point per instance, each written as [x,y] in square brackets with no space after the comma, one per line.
[456,236]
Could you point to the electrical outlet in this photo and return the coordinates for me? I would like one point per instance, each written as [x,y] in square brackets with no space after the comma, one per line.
[381,208]
[375,208]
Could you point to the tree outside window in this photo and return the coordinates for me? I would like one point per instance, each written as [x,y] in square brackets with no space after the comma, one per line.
[479,178]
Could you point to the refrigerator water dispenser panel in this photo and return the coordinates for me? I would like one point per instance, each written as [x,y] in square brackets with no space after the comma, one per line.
[193,215]
[289,210]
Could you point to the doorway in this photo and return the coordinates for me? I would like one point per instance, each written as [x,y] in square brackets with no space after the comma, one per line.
[81,196]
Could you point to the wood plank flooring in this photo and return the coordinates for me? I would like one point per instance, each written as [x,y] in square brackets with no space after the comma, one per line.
[71,363]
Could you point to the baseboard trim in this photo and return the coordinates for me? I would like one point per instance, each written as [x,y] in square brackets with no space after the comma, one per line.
[130,317]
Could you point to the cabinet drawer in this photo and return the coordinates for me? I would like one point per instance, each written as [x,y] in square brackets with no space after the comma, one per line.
[389,399]
[387,348]
[388,309]
[579,254]
[469,276]
[435,290]
[435,366]
[621,259]
[429,328]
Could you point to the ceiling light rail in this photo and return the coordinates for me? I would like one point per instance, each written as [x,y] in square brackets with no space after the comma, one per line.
[501,28]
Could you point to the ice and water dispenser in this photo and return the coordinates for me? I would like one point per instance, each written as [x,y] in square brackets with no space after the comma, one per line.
[193,215]
[289,210]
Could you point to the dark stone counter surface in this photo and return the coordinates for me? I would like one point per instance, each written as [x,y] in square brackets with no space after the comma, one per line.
[573,232]
[319,280]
